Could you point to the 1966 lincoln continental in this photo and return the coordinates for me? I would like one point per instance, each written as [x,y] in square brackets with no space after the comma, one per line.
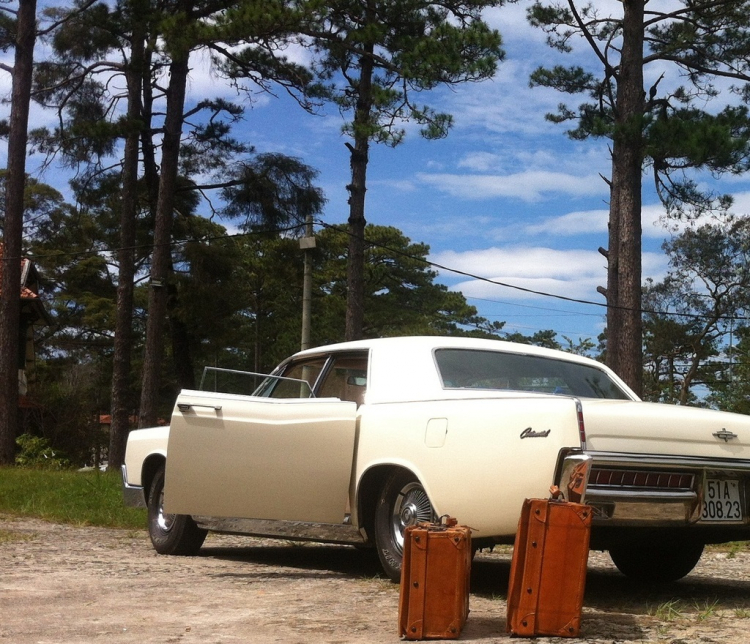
[352,442]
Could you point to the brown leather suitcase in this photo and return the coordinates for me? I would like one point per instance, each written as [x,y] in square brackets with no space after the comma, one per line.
[434,599]
[548,571]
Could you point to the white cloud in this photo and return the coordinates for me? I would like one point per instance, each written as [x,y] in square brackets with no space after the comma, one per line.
[505,104]
[527,186]
[522,261]
[568,273]
[403,185]
[596,221]
[480,161]
[572,223]
[741,204]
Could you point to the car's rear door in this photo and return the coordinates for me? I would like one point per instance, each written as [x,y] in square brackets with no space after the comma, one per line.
[264,458]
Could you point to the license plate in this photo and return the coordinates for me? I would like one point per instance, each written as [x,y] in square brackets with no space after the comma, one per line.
[721,501]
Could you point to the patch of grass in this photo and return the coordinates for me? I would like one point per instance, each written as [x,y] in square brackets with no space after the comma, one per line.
[708,609]
[381,582]
[742,613]
[732,548]
[668,611]
[6,536]
[80,498]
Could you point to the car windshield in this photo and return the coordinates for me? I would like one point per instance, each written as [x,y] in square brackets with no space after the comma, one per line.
[473,369]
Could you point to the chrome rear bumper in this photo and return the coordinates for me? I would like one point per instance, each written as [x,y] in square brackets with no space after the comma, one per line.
[132,495]
[645,505]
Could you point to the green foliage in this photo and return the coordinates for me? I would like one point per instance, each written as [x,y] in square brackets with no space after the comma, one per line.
[272,190]
[730,385]
[546,339]
[80,498]
[374,56]
[249,41]
[41,202]
[86,37]
[691,312]
[401,296]
[695,44]
[36,452]
[69,396]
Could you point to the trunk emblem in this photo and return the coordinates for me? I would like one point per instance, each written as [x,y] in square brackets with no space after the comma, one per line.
[530,433]
[725,435]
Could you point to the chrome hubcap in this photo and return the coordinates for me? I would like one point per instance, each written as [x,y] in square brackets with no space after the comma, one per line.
[163,520]
[412,506]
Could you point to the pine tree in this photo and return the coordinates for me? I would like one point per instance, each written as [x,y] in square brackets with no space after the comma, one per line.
[375,56]
[668,127]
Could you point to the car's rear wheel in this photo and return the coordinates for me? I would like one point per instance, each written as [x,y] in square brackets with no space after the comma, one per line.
[171,534]
[656,562]
[402,502]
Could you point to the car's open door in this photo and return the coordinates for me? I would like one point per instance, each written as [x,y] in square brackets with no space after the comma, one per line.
[261,458]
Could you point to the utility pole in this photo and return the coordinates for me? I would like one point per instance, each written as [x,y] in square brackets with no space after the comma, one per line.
[307,244]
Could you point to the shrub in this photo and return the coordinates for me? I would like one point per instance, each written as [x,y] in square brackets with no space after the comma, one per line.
[36,452]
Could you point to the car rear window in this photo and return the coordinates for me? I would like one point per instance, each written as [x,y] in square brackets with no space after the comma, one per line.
[476,369]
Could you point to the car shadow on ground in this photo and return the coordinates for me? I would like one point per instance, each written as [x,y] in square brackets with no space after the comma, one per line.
[614,607]
[302,560]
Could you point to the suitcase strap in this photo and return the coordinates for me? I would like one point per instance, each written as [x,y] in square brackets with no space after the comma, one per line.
[529,601]
[418,579]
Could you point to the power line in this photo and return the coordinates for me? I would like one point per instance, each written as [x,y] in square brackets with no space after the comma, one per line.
[529,306]
[395,251]
[528,290]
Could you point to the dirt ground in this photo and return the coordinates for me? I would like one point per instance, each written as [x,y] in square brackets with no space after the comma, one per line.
[69,584]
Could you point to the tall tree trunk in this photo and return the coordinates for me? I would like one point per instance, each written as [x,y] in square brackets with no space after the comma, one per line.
[157,300]
[181,352]
[150,167]
[10,302]
[123,349]
[624,323]
[355,269]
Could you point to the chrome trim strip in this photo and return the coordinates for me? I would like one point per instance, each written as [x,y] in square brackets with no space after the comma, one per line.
[132,495]
[293,530]
[651,460]
[632,513]
[594,495]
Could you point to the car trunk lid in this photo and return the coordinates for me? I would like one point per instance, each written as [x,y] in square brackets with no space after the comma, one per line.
[651,428]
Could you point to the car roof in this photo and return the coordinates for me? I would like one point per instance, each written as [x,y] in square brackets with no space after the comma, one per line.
[403,368]
[446,342]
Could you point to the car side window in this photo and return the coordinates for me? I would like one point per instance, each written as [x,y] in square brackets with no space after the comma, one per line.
[345,379]
[309,370]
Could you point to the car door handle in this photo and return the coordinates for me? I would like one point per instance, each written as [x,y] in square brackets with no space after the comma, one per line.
[183,407]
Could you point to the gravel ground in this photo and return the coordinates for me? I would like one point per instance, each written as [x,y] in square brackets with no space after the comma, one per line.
[62,583]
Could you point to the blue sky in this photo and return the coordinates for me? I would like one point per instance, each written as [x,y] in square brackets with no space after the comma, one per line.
[506,196]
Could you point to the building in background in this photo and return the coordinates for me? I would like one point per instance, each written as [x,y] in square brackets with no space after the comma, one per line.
[33,314]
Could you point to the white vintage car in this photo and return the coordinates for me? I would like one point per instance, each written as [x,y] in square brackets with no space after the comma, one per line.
[352,442]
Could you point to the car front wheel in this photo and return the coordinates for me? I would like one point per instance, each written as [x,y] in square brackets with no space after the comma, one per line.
[656,562]
[171,534]
[402,502]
